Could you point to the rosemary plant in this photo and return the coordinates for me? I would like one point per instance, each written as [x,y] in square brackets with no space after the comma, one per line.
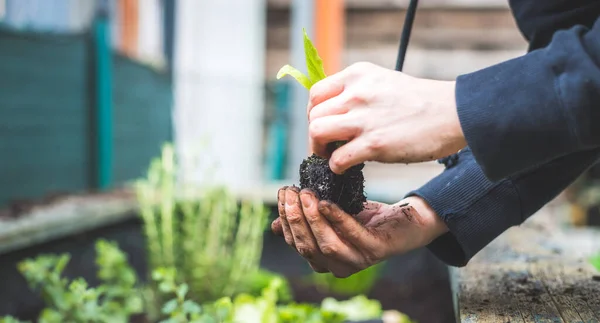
[202,231]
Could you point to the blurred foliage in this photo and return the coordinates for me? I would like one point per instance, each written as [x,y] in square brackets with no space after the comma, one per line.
[264,308]
[360,283]
[115,300]
[214,243]
[595,261]
[255,284]
[10,319]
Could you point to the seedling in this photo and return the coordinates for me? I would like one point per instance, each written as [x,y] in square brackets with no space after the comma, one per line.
[346,190]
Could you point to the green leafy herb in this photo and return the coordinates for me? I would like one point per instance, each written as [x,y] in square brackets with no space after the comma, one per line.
[178,309]
[358,308]
[201,231]
[314,65]
[359,283]
[115,300]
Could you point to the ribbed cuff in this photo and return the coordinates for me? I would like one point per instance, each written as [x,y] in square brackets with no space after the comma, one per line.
[475,209]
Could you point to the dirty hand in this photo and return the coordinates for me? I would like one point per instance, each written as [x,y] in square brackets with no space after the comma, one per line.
[333,241]
[386,116]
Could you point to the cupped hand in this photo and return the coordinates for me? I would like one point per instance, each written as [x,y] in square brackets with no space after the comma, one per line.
[334,241]
[385,116]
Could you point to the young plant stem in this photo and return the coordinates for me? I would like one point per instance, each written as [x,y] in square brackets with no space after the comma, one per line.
[167,204]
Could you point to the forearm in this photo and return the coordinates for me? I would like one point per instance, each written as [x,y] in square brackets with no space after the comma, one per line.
[476,210]
[535,108]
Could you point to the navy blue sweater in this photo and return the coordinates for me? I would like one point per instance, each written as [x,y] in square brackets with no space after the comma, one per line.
[529,125]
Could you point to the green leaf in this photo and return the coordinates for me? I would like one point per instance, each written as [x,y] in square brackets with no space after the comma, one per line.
[189,307]
[295,73]
[169,306]
[182,290]
[358,308]
[165,287]
[314,63]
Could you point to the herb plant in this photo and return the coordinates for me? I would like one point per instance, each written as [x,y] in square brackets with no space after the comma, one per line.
[357,284]
[74,301]
[346,190]
[178,309]
[214,242]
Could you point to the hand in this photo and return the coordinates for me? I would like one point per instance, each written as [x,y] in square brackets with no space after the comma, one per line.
[385,116]
[333,241]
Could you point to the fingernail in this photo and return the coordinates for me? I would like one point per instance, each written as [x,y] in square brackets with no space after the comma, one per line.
[290,197]
[324,208]
[306,200]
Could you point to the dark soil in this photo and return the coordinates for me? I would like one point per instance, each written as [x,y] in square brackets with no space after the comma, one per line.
[346,190]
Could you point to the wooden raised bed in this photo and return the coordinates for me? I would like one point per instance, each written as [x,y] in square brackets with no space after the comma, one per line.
[538,272]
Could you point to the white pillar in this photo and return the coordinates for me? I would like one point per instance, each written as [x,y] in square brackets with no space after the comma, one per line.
[219,89]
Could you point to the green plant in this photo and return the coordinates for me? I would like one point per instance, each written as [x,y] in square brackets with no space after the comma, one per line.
[314,65]
[74,301]
[265,308]
[119,279]
[178,309]
[214,243]
[359,283]
[257,282]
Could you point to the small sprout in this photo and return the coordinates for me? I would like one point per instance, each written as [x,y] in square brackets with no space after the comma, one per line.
[314,65]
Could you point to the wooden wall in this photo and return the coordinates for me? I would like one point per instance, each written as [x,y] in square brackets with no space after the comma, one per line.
[449,37]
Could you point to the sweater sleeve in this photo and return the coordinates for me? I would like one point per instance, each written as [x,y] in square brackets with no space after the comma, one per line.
[532,109]
[477,210]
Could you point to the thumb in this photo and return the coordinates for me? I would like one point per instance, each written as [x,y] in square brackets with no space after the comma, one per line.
[352,153]
[276,227]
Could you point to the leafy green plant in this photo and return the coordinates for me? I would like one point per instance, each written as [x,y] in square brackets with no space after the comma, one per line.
[257,282]
[314,65]
[74,301]
[178,309]
[214,243]
[359,283]
[119,279]
[265,308]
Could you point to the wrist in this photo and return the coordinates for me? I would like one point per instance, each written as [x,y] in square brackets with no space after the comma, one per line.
[452,129]
[433,226]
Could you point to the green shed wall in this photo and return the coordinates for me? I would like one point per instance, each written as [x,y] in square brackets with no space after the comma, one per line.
[46,106]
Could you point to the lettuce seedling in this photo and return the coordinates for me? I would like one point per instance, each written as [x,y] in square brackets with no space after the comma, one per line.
[346,190]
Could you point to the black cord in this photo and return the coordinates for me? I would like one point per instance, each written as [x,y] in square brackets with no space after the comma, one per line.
[408,23]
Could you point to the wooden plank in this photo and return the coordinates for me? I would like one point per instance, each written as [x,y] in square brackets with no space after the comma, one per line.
[559,280]
[534,273]
[482,298]
[432,29]
[70,216]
